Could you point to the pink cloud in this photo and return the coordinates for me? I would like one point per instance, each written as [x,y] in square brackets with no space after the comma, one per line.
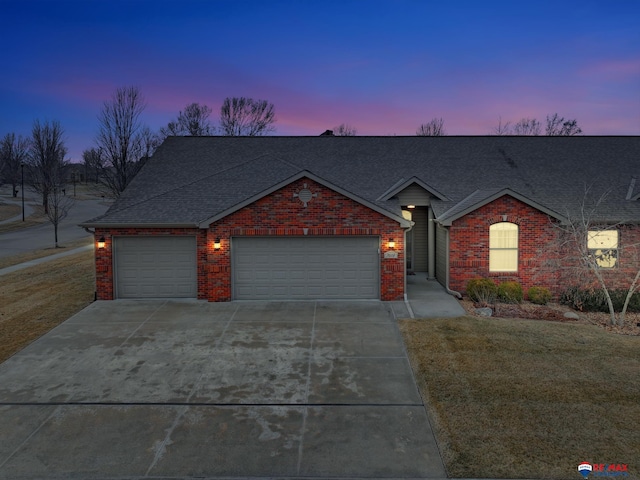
[618,70]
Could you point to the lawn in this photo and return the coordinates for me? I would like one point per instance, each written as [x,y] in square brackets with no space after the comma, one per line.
[36,299]
[527,399]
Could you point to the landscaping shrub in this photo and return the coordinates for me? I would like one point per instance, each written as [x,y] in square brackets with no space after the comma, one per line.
[482,290]
[618,297]
[539,295]
[510,292]
[594,300]
[584,299]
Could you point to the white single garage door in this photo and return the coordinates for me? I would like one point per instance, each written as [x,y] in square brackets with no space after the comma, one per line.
[287,268]
[152,267]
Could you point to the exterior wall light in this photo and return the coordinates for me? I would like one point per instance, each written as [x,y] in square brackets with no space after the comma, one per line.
[411,206]
[216,244]
[392,243]
[101,242]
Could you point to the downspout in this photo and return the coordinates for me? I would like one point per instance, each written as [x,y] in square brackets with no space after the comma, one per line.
[431,245]
[406,298]
[446,286]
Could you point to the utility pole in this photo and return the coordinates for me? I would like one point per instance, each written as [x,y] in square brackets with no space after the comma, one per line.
[22,188]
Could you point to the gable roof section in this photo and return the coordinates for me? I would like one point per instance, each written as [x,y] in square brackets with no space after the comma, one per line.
[480,198]
[304,174]
[185,203]
[403,184]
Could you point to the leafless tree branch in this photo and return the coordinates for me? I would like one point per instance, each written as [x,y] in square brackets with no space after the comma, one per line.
[241,116]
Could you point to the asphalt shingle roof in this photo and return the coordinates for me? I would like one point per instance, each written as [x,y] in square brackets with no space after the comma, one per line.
[191,179]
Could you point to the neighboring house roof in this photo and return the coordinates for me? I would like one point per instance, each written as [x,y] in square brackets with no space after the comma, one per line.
[191,180]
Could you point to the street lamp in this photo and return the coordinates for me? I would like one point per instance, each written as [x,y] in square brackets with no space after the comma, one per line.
[22,188]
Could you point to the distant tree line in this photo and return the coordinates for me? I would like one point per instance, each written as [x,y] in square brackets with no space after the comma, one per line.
[555,125]
[123,142]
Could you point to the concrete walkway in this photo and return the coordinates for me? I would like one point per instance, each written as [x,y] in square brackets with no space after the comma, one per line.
[28,210]
[429,299]
[38,261]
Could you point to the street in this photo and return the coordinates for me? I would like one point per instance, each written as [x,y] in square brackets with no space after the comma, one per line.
[42,236]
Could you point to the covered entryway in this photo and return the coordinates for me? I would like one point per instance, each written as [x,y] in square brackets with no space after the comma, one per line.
[155,267]
[288,268]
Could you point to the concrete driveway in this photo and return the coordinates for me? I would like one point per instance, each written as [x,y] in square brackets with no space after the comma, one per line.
[179,389]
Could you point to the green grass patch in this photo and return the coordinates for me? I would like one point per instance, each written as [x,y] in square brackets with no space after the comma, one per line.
[527,399]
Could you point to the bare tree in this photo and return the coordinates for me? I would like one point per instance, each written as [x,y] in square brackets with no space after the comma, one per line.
[345,130]
[194,121]
[46,156]
[555,126]
[527,126]
[120,138]
[14,151]
[150,142]
[241,116]
[434,128]
[93,163]
[59,203]
[502,128]
[558,126]
[588,245]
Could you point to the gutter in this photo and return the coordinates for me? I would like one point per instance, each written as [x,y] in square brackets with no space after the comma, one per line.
[138,225]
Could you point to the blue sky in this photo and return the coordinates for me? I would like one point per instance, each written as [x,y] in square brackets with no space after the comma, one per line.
[384,67]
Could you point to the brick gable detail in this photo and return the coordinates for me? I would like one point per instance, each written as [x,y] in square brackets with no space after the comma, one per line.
[469,245]
[328,213]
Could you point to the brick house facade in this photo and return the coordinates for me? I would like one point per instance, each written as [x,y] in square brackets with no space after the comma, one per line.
[545,258]
[442,195]
[469,245]
[280,214]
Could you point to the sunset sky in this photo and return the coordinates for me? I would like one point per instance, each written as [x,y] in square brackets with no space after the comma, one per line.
[384,67]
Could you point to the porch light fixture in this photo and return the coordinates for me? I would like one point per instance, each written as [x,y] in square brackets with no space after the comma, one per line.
[392,243]
[411,206]
[216,244]
[101,242]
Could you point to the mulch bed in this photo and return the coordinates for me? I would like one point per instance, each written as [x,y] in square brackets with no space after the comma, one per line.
[555,313]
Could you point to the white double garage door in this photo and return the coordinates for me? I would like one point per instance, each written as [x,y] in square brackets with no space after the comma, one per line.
[263,268]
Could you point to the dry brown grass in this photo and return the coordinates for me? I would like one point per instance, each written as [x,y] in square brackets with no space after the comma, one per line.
[527,399]
[36,218]
[38,298]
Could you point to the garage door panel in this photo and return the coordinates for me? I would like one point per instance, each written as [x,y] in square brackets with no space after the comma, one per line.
[305,267]
[149,267]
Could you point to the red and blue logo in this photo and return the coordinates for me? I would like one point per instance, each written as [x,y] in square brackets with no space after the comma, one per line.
[603,469]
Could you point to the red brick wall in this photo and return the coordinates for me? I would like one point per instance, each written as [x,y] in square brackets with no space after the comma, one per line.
[281,214]
[469,245]
[618,277]
[543,259]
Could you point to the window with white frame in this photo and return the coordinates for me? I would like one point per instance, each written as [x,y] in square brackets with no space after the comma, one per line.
[603,246]
[503,247]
